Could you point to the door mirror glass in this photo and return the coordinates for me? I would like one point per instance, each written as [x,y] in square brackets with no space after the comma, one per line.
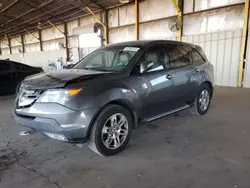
[146,66]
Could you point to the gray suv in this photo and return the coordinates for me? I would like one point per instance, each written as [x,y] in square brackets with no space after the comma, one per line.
[113,90]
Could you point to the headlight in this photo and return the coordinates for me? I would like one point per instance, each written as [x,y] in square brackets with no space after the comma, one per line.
[61,96]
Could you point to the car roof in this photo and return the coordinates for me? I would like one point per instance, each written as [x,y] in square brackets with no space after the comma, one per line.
[14,62]
[145,43]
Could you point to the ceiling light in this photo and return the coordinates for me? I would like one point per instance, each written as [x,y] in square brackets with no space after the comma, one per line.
[124,1]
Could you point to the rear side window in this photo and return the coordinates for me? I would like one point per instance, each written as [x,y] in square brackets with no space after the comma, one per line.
[4,66]
[179,56]
[197,58]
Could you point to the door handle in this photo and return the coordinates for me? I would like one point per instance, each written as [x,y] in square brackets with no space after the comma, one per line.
[197,70]
[169,76]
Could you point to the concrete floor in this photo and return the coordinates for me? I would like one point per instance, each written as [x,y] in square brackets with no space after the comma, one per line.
[177,151]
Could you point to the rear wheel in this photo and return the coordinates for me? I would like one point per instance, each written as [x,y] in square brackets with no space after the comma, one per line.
[202,101]
[111,131]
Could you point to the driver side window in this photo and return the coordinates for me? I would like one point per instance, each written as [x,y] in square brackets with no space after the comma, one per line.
[154,59]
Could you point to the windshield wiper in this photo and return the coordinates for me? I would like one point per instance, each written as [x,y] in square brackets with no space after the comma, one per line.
[100,69]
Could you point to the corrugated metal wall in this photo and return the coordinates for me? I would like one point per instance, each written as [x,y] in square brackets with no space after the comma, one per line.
[246,80]
[223,51]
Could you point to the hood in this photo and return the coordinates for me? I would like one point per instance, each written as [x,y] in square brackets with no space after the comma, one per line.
[58,79]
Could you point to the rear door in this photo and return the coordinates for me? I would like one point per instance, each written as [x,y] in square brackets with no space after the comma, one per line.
[200,64]
[185,74]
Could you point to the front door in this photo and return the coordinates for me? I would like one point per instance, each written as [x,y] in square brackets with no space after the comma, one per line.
[155,92]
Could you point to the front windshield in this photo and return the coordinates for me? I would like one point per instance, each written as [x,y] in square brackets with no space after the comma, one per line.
[112,60]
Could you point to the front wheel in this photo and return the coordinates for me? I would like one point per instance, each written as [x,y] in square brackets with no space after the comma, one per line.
[202,101]
[111,130]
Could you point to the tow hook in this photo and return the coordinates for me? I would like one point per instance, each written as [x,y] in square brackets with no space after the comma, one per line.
[25,133]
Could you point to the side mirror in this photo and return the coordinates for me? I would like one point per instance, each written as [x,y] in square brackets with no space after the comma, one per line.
[146,65]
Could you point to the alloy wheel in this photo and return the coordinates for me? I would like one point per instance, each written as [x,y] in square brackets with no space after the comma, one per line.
[115,131]
[204,100]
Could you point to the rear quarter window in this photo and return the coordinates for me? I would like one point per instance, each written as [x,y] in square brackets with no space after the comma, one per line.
[197,57]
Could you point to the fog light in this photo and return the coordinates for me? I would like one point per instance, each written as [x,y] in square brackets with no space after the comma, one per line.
[56,136]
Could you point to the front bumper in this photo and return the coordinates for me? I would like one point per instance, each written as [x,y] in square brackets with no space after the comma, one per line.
[56,119]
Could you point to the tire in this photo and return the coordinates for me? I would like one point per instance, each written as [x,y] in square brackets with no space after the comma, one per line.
[197,107]
[104,143]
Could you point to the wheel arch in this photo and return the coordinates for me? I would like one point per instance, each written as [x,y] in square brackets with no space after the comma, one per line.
[123,103]
[210,85]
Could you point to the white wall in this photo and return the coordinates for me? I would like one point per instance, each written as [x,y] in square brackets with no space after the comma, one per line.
[226,19]
[38,58]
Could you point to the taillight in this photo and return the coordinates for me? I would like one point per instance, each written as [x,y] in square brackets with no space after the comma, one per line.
[41,70]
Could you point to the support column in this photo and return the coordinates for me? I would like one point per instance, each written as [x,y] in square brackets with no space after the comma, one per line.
[177,6]
[66,40]
[22,41]
[10,45]
[106,21]
[137,30]
[243,43]
[40,39]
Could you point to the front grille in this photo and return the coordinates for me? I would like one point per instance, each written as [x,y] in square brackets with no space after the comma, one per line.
[27,97]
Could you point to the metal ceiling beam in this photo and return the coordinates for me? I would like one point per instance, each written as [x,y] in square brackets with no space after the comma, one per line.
[29,3]
[31,10]
[11,37]
[31,34]
[97,4]
[7,15]
[31,23]
[4,43]
[31,26]
[56,27]
[32,5]
[33,20]
[9,6]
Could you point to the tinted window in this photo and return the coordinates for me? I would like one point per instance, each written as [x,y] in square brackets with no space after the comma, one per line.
[197,58]
[5,66]
[156,55]
[179,55]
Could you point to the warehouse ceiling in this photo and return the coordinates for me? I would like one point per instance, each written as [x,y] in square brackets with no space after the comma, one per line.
[18,15]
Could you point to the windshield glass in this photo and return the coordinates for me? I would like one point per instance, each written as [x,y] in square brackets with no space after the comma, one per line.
[108,59]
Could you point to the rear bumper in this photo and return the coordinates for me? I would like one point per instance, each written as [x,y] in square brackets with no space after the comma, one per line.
[74,125]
